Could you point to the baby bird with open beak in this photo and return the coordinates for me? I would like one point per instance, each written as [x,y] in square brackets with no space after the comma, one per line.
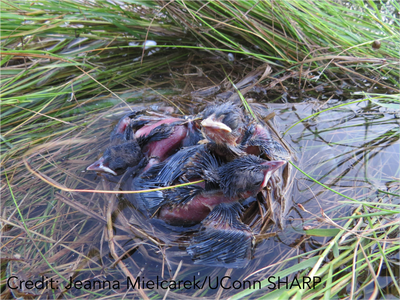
[232,134]
[223,126]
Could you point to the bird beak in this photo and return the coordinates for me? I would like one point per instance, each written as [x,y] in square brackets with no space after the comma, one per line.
[213,124]
[272,167]
[121,126]
[99,166]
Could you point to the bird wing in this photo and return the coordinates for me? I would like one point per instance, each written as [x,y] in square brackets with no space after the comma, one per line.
[182,195]
[147,202]
[223,239]
[158,133]
[204,165]
[174,168]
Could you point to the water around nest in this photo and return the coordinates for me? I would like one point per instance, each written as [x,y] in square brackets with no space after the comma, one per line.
[353,150]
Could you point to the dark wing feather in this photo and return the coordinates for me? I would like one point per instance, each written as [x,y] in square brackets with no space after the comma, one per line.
[158,133]
[148,202]
[223,239]
[182,195]
[175,166]
[204,165]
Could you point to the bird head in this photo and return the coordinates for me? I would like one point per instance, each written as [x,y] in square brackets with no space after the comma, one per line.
[246,176]
[223,124]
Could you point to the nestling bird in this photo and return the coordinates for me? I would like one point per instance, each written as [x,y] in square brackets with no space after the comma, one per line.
[171,134]
[257,140]
[124,151]
[223,126]
[215,203]
[235,156]
[156,138]
[232,134]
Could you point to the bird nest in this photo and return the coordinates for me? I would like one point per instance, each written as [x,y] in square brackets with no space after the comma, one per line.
[259,214]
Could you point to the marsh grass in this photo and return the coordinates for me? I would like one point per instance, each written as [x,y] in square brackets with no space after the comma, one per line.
[68,73]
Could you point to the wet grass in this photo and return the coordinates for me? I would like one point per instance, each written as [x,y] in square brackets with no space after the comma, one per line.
[70,69]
